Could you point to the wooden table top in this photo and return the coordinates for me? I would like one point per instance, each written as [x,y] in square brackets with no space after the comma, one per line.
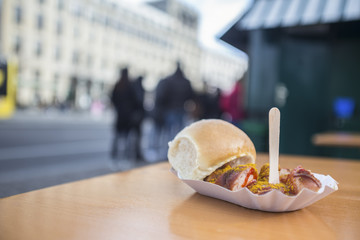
[151,203]
[337,139]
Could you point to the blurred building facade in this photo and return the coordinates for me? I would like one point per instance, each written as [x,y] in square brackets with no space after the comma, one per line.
[222,69]
[72,50]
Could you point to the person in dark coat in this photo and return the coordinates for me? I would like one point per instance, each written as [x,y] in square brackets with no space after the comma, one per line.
[209,103]
[138,114]
[123,98]
[171,94]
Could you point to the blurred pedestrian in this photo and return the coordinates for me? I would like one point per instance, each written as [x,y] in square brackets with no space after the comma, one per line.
[233,103]
[209,102]
[124,100]
[172,93]
[138,114]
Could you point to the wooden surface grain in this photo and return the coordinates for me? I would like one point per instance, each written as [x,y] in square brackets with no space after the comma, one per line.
[151,203]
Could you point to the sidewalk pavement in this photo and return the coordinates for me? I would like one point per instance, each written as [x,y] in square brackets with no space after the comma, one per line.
[37,157]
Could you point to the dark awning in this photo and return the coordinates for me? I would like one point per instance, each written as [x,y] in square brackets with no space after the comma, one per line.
[268,14]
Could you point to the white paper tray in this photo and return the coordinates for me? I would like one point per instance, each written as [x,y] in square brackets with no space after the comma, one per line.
[273,201]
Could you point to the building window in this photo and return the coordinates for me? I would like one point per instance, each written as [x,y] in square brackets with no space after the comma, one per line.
[89,61]
[37,76]
[107,21]
[93,18]
[55,88]
[56,79]
[89,13]
[103,64]
[38,49]
[59,27]
[36,87]
[91,36]
[60,5]
[17,45]
[40,21]
[18,14]
[76,9]
[76,57]
[57,53]
[76,32]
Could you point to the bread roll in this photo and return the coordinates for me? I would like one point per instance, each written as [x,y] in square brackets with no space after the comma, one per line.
[206,145]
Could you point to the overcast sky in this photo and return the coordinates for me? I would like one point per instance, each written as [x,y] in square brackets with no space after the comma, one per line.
[216,17]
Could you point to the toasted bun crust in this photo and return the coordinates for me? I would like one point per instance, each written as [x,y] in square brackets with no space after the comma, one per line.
[206,145]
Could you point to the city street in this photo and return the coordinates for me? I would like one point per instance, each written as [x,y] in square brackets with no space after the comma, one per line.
[37,151]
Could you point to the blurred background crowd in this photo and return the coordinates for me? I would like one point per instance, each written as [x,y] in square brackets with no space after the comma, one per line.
[176,105]
[114,81]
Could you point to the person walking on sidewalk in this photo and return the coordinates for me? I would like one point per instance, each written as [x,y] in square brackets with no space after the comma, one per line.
[138,115]
[172,93]
[123,98]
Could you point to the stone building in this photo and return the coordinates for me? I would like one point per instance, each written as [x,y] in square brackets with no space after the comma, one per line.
[72,50]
